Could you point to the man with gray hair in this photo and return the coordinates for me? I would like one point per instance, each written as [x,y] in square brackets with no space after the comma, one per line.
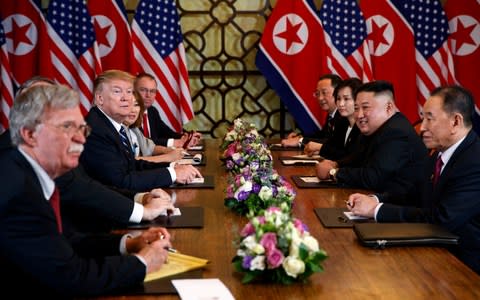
[48,132]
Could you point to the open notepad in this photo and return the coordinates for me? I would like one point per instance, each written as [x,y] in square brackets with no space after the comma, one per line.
[177,263]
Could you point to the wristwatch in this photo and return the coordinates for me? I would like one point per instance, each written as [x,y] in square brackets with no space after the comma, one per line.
[333,173]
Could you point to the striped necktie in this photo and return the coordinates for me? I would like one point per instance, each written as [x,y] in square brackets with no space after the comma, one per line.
[124,139]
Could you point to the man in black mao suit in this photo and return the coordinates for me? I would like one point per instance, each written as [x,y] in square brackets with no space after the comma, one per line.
[324,93]
[390,156]
[48,130]
[452,198]
[109,160]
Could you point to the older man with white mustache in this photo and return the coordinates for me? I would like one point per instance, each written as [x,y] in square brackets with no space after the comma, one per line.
[48,132]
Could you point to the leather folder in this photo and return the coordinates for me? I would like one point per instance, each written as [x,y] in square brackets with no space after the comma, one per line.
[334,217]
[191,217]
[313,183]
[208,183]
[380,235]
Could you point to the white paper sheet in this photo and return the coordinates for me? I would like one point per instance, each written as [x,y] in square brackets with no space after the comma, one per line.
[202,289]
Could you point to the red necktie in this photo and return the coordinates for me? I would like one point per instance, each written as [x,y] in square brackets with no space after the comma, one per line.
[146,133]
[438,169]
[55,203]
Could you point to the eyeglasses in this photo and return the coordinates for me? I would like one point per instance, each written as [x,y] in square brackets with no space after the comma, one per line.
[316,94]
[70,128]
[146,91]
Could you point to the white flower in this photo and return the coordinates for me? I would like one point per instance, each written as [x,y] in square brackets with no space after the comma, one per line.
[231,136]
[246,187]
[258,263]
[265,193]
[249,242]
[258,249]
[311,243]
[241,252]
[293,266]
[236,156]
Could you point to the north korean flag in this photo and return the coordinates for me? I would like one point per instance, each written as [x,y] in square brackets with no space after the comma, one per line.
[292,58]
[464,23]
[113,35]
[27,39]
[392,48]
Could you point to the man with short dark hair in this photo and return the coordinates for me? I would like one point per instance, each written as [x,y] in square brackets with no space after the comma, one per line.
[390,155]
[451,191]
[324,94]
[153,126]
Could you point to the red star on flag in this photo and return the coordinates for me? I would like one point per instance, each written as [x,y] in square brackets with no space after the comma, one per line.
[101,33]
[463,35]
[377,36]
[290,34]
[18,34]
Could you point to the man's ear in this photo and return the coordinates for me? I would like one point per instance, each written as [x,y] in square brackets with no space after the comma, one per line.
[457,120]
[29,136]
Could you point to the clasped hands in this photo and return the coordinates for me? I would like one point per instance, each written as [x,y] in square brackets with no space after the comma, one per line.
[362,205]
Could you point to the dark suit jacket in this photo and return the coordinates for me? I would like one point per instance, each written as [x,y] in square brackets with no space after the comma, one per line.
[159,131]
[454,202]
[33,253]
[87,205]
[390,160]
[326,133]
[335,147]
[105,159]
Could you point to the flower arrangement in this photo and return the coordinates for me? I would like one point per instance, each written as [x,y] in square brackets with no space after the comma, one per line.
[278,248]
[248,152]
[240,130]
[252,191]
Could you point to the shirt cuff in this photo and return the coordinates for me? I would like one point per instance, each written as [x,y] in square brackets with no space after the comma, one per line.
[170,143]
[173,175]
[123,243]
[139,197]
[377,208]
[137,213]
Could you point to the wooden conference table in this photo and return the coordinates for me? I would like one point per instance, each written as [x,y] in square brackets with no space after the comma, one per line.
[351,271]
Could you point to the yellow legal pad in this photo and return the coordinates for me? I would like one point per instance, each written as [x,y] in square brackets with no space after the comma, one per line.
[177,263]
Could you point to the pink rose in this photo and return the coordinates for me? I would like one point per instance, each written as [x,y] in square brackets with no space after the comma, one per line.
[247,230]
[274,258]
[269,241]
[299,225]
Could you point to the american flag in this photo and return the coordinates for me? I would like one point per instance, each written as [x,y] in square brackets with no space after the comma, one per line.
[73,51]
[6,87]
[433,55]
[158,47]
[345,35]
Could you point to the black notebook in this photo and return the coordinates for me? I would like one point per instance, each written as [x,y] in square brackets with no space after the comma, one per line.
[191,217]
[335,217]
[312,182]
[380,235]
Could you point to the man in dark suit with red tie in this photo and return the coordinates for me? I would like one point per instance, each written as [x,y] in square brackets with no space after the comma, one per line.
[153,126]
[451,191]
[48,132]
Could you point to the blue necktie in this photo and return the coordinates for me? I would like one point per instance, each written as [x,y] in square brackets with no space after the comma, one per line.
[124,139]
